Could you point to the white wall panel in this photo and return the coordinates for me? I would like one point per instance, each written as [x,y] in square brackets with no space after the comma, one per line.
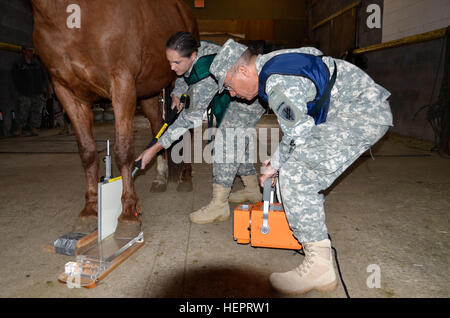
[403,18]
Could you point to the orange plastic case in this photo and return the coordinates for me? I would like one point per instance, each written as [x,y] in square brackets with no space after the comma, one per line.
[248,221]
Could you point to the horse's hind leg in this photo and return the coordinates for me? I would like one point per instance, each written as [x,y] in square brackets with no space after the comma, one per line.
[80,115]
[152,111]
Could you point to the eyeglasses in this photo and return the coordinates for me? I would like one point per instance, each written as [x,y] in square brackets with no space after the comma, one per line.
[227,85]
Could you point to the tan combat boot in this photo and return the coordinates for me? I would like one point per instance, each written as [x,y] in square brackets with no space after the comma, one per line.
[34,132]
[217,210]
[316,272]
[17,132]
[250,193]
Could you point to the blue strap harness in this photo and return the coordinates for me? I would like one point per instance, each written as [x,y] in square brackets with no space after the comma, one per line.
[306,65]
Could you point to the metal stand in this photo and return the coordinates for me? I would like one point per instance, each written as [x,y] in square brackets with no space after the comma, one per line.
[96,262]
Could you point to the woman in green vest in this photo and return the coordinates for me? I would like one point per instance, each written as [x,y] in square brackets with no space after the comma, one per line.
[190,60]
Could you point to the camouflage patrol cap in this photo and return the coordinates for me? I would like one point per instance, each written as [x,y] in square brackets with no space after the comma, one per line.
[225,59]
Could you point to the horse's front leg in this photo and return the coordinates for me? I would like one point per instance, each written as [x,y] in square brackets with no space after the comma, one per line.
[123,92]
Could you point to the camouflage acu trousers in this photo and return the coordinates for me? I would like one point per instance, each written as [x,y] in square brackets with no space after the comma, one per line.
[232,154]
[314,165]
[29,111]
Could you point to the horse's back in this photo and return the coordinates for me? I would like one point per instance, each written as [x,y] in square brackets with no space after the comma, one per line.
[114,36]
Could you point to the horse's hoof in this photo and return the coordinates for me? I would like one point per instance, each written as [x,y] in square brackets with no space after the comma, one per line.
[158,187]
[85,225]
[127,230]
[185,186]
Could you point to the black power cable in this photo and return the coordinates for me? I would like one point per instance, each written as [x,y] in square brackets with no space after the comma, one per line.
[339,269]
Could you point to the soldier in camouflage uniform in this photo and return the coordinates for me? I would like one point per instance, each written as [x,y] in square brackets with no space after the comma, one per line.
[30,82]
[310,157]
[183,52]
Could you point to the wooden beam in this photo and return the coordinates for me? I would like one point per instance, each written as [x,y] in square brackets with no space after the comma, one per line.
[335,15]
[10,47]
[428,36]
[91,283]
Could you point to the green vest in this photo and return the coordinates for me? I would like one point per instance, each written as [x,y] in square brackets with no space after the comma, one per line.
[219,104]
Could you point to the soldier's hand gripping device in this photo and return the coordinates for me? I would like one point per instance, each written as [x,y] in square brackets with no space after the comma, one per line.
[170,118]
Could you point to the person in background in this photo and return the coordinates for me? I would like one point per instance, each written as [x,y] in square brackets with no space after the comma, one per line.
[30,83]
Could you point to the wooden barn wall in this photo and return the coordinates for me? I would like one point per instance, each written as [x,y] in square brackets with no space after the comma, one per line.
[409,72]
[281,21]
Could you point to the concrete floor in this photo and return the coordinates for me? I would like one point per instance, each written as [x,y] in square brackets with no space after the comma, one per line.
[392,212]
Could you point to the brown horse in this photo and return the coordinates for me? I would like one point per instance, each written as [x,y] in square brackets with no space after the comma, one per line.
[111,49]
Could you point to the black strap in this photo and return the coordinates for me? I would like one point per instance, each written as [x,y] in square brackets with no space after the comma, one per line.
[326,94]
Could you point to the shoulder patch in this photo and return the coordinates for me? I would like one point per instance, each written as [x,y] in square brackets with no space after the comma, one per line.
[286,112]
